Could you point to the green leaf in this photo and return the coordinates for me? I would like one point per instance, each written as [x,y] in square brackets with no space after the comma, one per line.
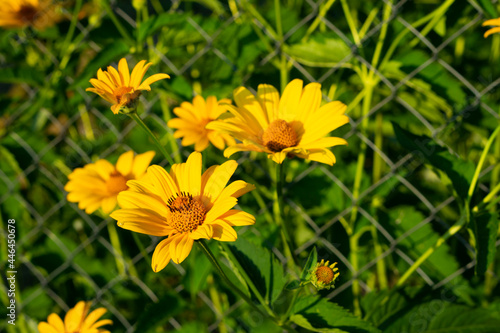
[459,171]
[485,228]
[321,50]
[22,74]
[293,285]
[489,8]
[311,261]
[157,314]
[317,314]
[105,57]
[439,316]
[261,266]
[153,24]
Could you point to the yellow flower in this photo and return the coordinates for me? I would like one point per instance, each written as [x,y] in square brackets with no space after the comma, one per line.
[183,205]
[293,125]
[77,320]
[192,121]
[122,88]
[39,14]
[493,22]
[98,184]
[324,276]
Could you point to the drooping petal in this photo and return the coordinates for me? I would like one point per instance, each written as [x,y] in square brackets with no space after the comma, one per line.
[161,255]
[152,79]
[223,232]
[143,221]
[44,327]
[180,248]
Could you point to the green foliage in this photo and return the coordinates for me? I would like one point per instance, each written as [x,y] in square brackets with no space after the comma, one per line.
[485,227]
[319,315]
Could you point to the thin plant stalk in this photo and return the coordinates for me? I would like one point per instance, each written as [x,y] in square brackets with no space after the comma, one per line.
[115,242]
[139,121]
[278,215]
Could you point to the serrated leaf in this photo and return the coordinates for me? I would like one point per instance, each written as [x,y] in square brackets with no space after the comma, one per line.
[105,57]
[320,50]
[318,314]
[485,229]
[311,261]
[459,171]
[262,267]
[156,314]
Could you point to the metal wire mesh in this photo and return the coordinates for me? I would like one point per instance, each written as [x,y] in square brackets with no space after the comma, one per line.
[319,230]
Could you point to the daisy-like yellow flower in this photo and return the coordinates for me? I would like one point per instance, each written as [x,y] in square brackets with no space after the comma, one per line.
[293,125]
[121,88]
[192,121]
[39,14]
[495,23]
[98,184]
[323,275]
[77,320]
[184,206]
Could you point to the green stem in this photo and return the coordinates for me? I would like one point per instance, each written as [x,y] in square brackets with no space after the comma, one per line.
[279,30]
[72,26]
[206,250]
[480,164]
[138,120]
[278,213]
[381,270]
[350,22]
[322,12]
[292,303]
[451,231]
[115,242]
[353,259]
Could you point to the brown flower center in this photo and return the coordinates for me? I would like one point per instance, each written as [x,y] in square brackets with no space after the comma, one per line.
[279,135]
[121,92]
[27,13]
[116,183]
[187,213]
[324,274]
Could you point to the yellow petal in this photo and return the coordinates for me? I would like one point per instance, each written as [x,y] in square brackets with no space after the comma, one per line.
[289,102]
[152,79]
[491,31]
[143,221]
[56,321]
[249,109]
[93,317]
[161,255]
[74,317]
[124,72]
[141,163]
[180,248]
[108,204]
[193,173]
[131,200]
[242,147]
[309,102]
[235,217]
[236,189]
[101,323]
[135,81]
[43,327]
[219,208]
[124,164]
[269,98]
[203,231]
[162,180]
[491,22]
[223,232]
[323,143]
[218,180]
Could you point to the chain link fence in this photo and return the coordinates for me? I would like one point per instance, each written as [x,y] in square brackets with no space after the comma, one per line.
[397,167]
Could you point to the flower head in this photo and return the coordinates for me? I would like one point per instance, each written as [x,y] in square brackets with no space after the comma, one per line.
[122,88]
[183,205]
[493,22]
[192,121]
[294,125]
[324,276]
[98,184]
[77,320]
[39,14]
